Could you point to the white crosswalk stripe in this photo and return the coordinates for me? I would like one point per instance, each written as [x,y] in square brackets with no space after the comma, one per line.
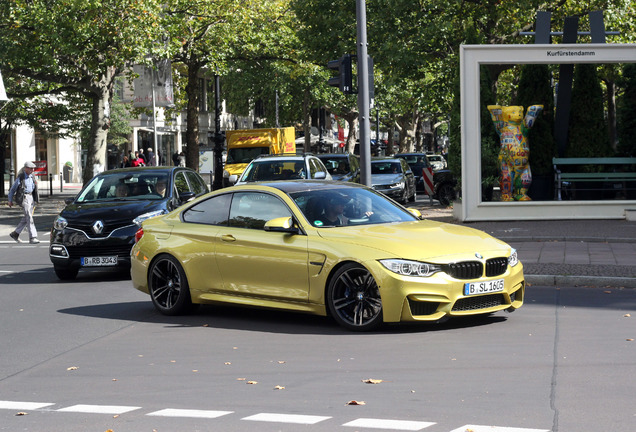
[23,405]
[389,424]
[173,412]
[99,409]
[286,418]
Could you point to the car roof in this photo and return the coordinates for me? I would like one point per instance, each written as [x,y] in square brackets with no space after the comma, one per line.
[148,170]
[387,159]
[283,156]
[291,186]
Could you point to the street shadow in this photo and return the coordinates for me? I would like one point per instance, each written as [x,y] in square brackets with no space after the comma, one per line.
[47,275]
[230,317]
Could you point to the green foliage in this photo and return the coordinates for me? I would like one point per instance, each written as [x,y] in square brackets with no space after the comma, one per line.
[627,112]
[535,89]
[587,135]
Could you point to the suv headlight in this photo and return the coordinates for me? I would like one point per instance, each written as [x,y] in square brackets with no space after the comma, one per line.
[60,223]
[411,268]
[139,219]
[513,259]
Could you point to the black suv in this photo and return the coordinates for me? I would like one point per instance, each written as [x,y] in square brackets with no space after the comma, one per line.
[97,228]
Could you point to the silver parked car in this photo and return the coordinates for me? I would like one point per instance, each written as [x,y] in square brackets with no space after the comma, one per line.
[284,167]
[394,178]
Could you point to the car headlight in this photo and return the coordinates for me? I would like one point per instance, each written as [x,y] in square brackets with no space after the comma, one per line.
[410,268]
[60,223]
[226,174]
[513,259]
[399,185]
[139,219]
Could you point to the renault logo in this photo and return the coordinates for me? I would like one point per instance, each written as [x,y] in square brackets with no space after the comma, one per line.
[98,227]
[478,255]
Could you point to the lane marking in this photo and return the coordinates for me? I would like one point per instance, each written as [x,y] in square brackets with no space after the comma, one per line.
[286,418]
[99,409]
[474,428]
[23,405]
[173,412]
[389,424]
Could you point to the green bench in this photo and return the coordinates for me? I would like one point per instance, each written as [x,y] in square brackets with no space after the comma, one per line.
[623,170]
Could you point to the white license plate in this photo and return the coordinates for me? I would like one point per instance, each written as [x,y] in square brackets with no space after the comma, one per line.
[99,261]
[474,288]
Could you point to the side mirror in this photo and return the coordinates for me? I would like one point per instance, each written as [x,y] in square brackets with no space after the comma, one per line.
[232,179]
[415,212]
[320,175]
[68,201]
[282,224]
[186,196]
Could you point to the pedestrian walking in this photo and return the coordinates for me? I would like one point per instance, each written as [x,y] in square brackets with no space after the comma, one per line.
[182,159]
[150,158]
[24,192]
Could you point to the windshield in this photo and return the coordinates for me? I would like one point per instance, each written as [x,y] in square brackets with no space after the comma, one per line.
[244,154]
[274,170]
[386,167]
[335,165]
[348,206]
[125,186]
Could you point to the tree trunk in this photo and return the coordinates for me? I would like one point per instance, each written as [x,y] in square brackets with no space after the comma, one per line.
[192,114]
[100,122]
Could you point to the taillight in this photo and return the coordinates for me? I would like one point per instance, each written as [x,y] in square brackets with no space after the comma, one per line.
[139,234]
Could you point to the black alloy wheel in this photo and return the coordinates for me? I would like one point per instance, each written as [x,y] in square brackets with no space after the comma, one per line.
[168,286]
[353,298]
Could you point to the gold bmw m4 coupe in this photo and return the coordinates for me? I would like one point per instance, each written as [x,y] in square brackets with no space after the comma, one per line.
[326,248]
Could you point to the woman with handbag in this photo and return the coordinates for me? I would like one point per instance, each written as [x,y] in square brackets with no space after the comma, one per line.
[24,192]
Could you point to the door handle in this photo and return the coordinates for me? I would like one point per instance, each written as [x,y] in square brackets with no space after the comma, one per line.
[228,238]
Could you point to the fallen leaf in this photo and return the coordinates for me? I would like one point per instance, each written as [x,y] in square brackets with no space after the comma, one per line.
[281,362]
[241,379]
[228,363]
[627,315]
[372,381]
[195,370]
[21,413]
[279,387]
[116,415]
[607,292]
[252,382]
[630,340]
[355,402]
[206,325]
[114,379]
[72,368]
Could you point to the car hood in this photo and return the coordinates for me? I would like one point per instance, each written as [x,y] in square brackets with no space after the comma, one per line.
[381,179]
[111,210]
[420,240]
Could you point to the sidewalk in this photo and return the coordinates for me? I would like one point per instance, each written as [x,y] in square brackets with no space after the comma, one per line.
[553,252]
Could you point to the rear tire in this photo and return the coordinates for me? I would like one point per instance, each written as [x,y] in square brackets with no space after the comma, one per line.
[445,194]
[168,286]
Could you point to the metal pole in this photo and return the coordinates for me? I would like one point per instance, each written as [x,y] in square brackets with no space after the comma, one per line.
[218,137]
[277,122]
[12,161]
[363,94]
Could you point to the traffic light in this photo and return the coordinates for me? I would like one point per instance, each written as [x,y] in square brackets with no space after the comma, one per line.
[344,79]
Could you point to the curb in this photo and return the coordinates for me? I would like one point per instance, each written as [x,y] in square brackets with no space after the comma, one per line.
[580,281]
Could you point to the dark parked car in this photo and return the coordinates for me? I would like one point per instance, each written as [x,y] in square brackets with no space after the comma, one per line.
[394,178]
[444,182]
[342,166]
[97,228]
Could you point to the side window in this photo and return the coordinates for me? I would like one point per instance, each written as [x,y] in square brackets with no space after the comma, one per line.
[180,183]
[196,183]
[253,209]
[314,167]
[213,211]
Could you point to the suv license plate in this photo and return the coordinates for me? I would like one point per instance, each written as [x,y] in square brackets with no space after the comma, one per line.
[475,288]
[99,261]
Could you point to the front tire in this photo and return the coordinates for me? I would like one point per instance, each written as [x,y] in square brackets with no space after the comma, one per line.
[168,286]
[445,194]
[353,298]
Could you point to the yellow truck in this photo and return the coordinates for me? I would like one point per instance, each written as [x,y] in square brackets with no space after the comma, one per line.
[247,144]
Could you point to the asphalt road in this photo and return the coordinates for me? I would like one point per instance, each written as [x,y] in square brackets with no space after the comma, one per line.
[93,355]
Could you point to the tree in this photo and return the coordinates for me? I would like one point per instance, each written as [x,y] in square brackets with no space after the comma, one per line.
[79,47]
[627,112]
[587,135]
